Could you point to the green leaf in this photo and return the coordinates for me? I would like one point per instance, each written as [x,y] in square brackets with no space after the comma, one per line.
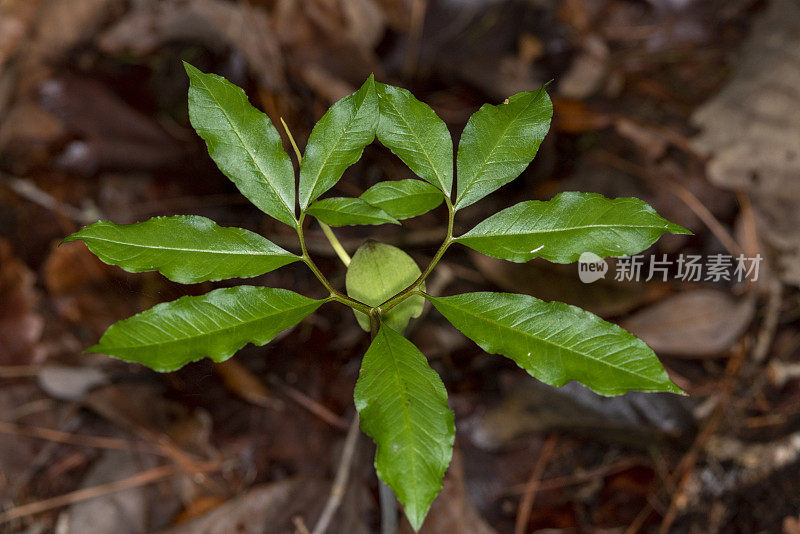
[557,343]
[403,199]
[243,143]
[337,141]
[403,407]
[169,335]
[499,142]
[571,223]
[341,211]
[415,134]
[376,273]
[184,248]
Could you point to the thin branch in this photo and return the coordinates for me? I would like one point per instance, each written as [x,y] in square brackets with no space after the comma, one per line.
[334,241]
[340,480]
[85,494]
[526,502]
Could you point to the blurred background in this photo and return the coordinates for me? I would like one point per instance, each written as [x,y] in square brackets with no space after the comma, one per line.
[690,105]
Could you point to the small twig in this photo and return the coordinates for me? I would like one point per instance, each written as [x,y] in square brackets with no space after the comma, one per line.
[300,525]
[308,403]
[686,196]
[58,436]
[770,324]
[85,494]
[417,22]
[534,482]
[388,508]
[340,480]
[335,244]
[687,463]
[29,191]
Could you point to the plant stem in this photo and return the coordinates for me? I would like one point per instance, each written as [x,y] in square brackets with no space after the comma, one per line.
[448,240]
[335,294]
[388,508]
[337,246]
[291,140]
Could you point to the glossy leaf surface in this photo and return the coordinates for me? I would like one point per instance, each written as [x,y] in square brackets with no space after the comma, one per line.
[415,134]
[403,407]
[557,343]
[403,199]
[243,143]
[337,141]
[215,325]
[498,143]
[342,211]
[571,223]
[184,248]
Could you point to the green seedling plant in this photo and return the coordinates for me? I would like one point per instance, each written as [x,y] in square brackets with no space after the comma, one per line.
[401,401]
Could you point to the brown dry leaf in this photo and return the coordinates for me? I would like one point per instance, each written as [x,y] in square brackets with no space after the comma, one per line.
[263,509]
[20,325]
[529,406]
[453,511]
[791,525]
[214,23]
[121,512]
[709,323]
[751,130]
[63,24]
[244,383]
[546,281]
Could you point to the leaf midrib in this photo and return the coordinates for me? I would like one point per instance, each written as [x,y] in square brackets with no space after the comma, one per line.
[406,417]
[470,235]
[247,148]
[486,161]
[548,342]
[182,249]
[205,333]
[420,145]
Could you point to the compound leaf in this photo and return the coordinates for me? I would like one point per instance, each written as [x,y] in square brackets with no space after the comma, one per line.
[557,343]
[403,407]
[342,211]
[415,134]
[169,335]
[184,248]
[499,142]
[337,141]
[243,143]
[571,223]
[376,273]
[403,199]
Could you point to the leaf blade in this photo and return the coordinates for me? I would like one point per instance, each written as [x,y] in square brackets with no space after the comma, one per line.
[571,223]
[243,143]
[215,325]
[185,248]
[337,141]
[557,343]
[403,199]
[403,407]
[499,142]
[415,134]
[343,211]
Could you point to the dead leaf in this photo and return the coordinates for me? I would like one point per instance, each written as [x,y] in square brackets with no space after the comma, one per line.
[264,509]
[530,406]
[693,324]
[121,512]
[547,281]
[20,325]
[751,130]
[213,23]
